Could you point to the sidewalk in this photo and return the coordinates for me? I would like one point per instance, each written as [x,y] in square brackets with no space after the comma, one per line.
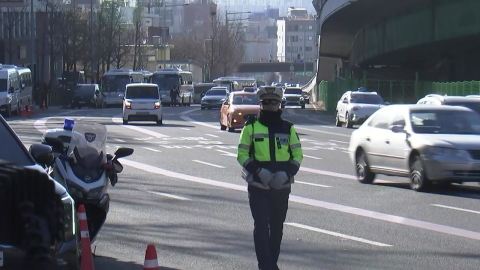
[319,108]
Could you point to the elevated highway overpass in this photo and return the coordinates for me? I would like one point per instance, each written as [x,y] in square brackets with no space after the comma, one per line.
[437,38]
[275,67]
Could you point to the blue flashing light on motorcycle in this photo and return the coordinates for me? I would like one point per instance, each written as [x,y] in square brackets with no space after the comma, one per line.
[68,124]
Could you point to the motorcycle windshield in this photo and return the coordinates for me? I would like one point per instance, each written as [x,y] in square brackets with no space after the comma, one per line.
[88,148]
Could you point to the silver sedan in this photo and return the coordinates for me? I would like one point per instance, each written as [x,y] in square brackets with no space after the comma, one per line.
[426,143]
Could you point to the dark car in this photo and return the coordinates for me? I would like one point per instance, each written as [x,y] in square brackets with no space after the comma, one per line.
[13,150]
[86,95]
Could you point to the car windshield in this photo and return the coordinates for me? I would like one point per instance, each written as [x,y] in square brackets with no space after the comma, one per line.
[212,92]
[475,106]
[366,99]
[135,92]
[166,81]
[13,150]
[445,122]
[84,89]
[3,85]
[246,100]
[293,91]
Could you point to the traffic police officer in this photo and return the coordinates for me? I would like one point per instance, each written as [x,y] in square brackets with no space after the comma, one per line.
[270,154]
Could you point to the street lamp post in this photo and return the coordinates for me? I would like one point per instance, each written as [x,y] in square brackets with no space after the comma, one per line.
[32,40]
[92,59]
[228,31]
[165,27]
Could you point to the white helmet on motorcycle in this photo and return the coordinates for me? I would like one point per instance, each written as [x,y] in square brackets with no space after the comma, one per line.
[270,92]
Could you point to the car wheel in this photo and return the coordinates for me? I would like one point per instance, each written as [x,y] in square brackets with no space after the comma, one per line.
[364,174]
[125,122]
[418,179]
[348,124]
[337,120]
[230,129]
[160,122]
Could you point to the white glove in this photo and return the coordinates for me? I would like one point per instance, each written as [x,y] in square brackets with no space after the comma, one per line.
[265,176]
[279,179]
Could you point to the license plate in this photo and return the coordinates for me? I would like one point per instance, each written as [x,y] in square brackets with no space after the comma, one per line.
[142,113]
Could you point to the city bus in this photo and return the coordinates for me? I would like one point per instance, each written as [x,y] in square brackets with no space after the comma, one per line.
[114,82]
[235,83]
[169,78]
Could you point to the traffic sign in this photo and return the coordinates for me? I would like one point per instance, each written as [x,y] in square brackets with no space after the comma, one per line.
[300,73]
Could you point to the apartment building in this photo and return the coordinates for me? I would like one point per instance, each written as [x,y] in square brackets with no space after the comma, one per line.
[296,37]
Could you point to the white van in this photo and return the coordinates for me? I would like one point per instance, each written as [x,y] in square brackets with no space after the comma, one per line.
[141,102]
[9,90]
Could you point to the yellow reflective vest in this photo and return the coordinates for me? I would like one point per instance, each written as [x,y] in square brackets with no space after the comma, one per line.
[274,148]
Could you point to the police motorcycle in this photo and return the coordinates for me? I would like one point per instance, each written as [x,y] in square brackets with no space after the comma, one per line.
[84,168]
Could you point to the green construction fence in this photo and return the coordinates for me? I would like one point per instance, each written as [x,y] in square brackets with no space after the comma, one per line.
[394,92]
[457,88]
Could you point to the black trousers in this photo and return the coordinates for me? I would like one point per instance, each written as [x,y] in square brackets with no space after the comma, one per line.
[269,210]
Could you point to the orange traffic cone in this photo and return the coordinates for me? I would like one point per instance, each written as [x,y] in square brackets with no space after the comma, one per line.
[43,106]
[87,258]
[151,261]
[29,109]
[22,111]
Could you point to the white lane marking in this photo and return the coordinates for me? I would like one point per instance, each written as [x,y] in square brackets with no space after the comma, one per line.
[456,208]
[41,124]
[189,111]
[185,128]
[339,175]
[211,135]
[341,235]
[339,141]
[118,140]
[190,120]
[209,164]
[225,153]
[312,157]
[321,131]
[316,203]
[151,149]
[118,120]
[169,195]
[311,184]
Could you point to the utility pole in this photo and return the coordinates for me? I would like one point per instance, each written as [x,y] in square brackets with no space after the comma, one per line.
[164,41]
[304,58]
[32,42]
[91,41]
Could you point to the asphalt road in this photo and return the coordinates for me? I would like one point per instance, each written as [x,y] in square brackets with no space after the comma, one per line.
[182,191]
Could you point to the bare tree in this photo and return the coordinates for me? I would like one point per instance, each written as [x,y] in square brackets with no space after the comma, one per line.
[10,21]
[222,54]
[138,34]
[187,47]
[123,50]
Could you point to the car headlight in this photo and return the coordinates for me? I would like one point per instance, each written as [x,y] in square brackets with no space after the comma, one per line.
[157,105]
[128,105]
[448,152]
[68,216]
